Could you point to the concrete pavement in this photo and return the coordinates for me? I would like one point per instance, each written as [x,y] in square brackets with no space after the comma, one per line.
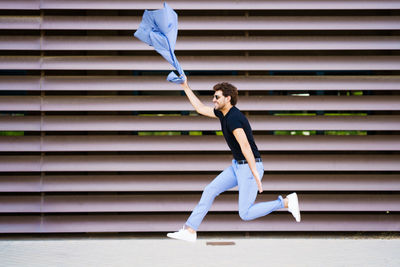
[157,250]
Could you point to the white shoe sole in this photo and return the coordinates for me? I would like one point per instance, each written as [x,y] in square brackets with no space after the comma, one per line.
[171,235]
[294,203]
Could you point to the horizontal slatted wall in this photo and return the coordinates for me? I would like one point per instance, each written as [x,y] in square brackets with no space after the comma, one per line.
[93,139]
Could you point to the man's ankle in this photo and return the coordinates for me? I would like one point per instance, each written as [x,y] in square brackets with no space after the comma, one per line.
[286,202]
[190,230]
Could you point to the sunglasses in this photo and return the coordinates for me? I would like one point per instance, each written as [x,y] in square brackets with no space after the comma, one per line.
[216,97]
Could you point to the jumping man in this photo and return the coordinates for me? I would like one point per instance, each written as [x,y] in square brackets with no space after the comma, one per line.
[246,170]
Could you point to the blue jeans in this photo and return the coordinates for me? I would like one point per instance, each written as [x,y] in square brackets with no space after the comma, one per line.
[235,175]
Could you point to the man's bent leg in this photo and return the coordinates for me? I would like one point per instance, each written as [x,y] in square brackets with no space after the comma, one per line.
[248,193]
[224,181]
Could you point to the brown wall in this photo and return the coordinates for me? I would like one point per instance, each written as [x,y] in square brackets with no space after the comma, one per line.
[94,139]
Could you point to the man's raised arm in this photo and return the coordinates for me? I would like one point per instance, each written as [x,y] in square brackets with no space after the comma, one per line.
[196,103]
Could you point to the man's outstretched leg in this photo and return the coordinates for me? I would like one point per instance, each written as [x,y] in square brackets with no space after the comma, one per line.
[224,181]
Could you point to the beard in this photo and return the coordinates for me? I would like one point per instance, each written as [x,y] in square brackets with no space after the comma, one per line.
[219,107]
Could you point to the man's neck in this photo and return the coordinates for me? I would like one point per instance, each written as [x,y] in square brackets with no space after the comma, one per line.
[226,109]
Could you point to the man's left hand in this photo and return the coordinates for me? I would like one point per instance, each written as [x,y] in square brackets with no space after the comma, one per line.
[259,185]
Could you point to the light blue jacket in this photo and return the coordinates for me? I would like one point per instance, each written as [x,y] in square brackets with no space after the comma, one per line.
[159,28]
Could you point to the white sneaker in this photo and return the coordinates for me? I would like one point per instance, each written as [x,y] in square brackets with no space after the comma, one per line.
[184,235]
[293,206]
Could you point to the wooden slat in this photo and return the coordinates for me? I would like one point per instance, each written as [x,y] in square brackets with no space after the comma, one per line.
[20,43]
[195,182]
[251,63]
[229,23]
[144,83]
[20,123]
[20,83]
[20,103]
[20,22]
[20,183]
[213,223]
[20,4]
[185,203]
[178,103]
[193,123]
[216,163]
[196,123]
[20,224]
[206,162]
[106,43]
[221,4]
[20,164]
[19,62]
[200,83]
[20,143]
[70,143]
[18,204]
[217,143]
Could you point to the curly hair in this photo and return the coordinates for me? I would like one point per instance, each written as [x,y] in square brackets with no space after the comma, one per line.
[227,89]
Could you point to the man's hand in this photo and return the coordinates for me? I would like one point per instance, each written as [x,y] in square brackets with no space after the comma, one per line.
[259,184]
[185,83]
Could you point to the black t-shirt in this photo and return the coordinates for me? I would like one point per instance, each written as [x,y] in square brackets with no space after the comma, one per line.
[232,120]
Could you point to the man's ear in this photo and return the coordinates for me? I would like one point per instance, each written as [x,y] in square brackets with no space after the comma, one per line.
[229,98]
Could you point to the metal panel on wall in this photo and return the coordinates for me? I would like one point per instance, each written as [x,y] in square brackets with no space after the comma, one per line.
[94,139]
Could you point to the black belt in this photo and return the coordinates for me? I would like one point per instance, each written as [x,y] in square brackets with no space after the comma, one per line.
[245,161]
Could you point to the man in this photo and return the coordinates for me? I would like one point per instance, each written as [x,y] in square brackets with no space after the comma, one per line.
[246,170]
